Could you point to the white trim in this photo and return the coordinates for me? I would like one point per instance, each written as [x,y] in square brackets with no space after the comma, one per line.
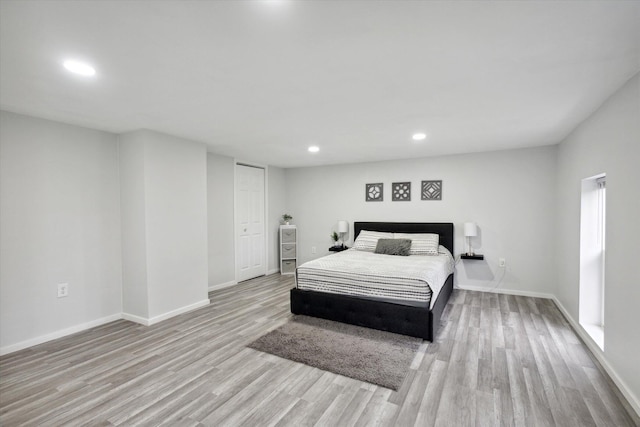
[222,285]
[167,315]
[58,334]
[273,271]
[267,231]
[99,322]
[235,219]
[136,319]
[633,400]
[506,291]
[181,310]
[596,332]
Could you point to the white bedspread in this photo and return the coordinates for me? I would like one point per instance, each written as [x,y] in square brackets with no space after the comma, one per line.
[353,272]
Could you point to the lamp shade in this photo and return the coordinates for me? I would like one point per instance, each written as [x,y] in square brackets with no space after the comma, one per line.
[470,229]
[343,226]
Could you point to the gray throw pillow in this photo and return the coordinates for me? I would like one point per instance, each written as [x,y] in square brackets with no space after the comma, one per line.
[400,247]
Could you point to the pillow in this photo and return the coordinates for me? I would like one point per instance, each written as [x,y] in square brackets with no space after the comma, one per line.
[367,240]
[421,243]
[393,247]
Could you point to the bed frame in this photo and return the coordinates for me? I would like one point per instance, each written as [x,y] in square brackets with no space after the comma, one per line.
[407,318]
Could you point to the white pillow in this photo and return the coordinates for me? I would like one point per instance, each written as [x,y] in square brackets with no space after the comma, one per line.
[421,243]
[368,240]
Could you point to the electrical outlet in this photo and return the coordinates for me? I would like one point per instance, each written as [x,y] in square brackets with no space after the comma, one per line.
[502,262]
[313,249]
[63,290]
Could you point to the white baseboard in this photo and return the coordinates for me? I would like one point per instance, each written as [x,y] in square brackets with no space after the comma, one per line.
[156,319]
[58,334]
[633,400]
[181,310]
[222,285]
[98,322]
[235,282]
[506,291]
[136,319]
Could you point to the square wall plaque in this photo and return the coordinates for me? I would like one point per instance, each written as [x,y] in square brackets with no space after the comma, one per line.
[431,190]
[401,192]
[373,192]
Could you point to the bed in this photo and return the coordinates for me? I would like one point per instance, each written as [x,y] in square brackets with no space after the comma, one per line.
[418,317]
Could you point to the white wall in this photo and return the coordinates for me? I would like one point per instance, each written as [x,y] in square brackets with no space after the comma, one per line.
[60,223]
[135,295]
[510,194]
[609,142]
[175,222]
[220,189]
[276,207]
[177,243]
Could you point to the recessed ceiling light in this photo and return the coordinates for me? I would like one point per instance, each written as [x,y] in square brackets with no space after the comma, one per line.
[314,149]
[78,67]
[419,136]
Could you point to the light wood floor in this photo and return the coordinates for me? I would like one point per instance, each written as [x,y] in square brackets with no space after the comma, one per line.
[498,360]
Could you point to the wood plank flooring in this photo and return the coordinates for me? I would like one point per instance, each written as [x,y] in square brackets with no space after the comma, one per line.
[498,360]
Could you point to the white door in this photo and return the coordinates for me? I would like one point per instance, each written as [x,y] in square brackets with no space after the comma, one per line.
[250,229]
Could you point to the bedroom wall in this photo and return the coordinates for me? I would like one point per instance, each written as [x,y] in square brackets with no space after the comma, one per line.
[510,195]
[177,249]
[276,207]
[60,223]
[220,219]
[135,294]
[175,223]
[608,141]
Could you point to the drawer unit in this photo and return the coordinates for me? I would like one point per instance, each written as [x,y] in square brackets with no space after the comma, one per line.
[288,249]
[288,234]
[288,266]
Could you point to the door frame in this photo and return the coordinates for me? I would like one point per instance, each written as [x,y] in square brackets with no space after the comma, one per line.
[239,162]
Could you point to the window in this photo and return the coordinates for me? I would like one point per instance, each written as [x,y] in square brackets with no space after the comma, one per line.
[592,256]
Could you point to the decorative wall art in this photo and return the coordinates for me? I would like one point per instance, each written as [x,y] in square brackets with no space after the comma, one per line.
[401,191]
[431,190]
[373,192]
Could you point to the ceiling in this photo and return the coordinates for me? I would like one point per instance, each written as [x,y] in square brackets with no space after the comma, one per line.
[263,80]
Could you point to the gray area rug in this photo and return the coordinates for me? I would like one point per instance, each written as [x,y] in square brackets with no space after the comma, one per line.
[377,357]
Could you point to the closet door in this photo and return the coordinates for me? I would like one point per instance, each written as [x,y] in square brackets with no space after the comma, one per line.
[250,224]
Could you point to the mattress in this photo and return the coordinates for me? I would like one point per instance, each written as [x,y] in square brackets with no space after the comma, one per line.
[414,278]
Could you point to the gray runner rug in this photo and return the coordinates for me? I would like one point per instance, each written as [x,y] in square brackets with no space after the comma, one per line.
[377,357]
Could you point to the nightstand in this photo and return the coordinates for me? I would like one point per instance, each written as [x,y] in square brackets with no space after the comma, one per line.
[338,248]
[474,256]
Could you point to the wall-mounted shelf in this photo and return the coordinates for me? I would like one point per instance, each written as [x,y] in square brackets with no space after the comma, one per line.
[474,256]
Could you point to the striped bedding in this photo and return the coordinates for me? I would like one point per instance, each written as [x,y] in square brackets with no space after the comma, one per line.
[352,272]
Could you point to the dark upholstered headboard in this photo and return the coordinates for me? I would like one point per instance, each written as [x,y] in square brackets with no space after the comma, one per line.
[443,229]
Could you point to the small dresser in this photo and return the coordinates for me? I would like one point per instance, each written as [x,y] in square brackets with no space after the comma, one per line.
[288,249]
